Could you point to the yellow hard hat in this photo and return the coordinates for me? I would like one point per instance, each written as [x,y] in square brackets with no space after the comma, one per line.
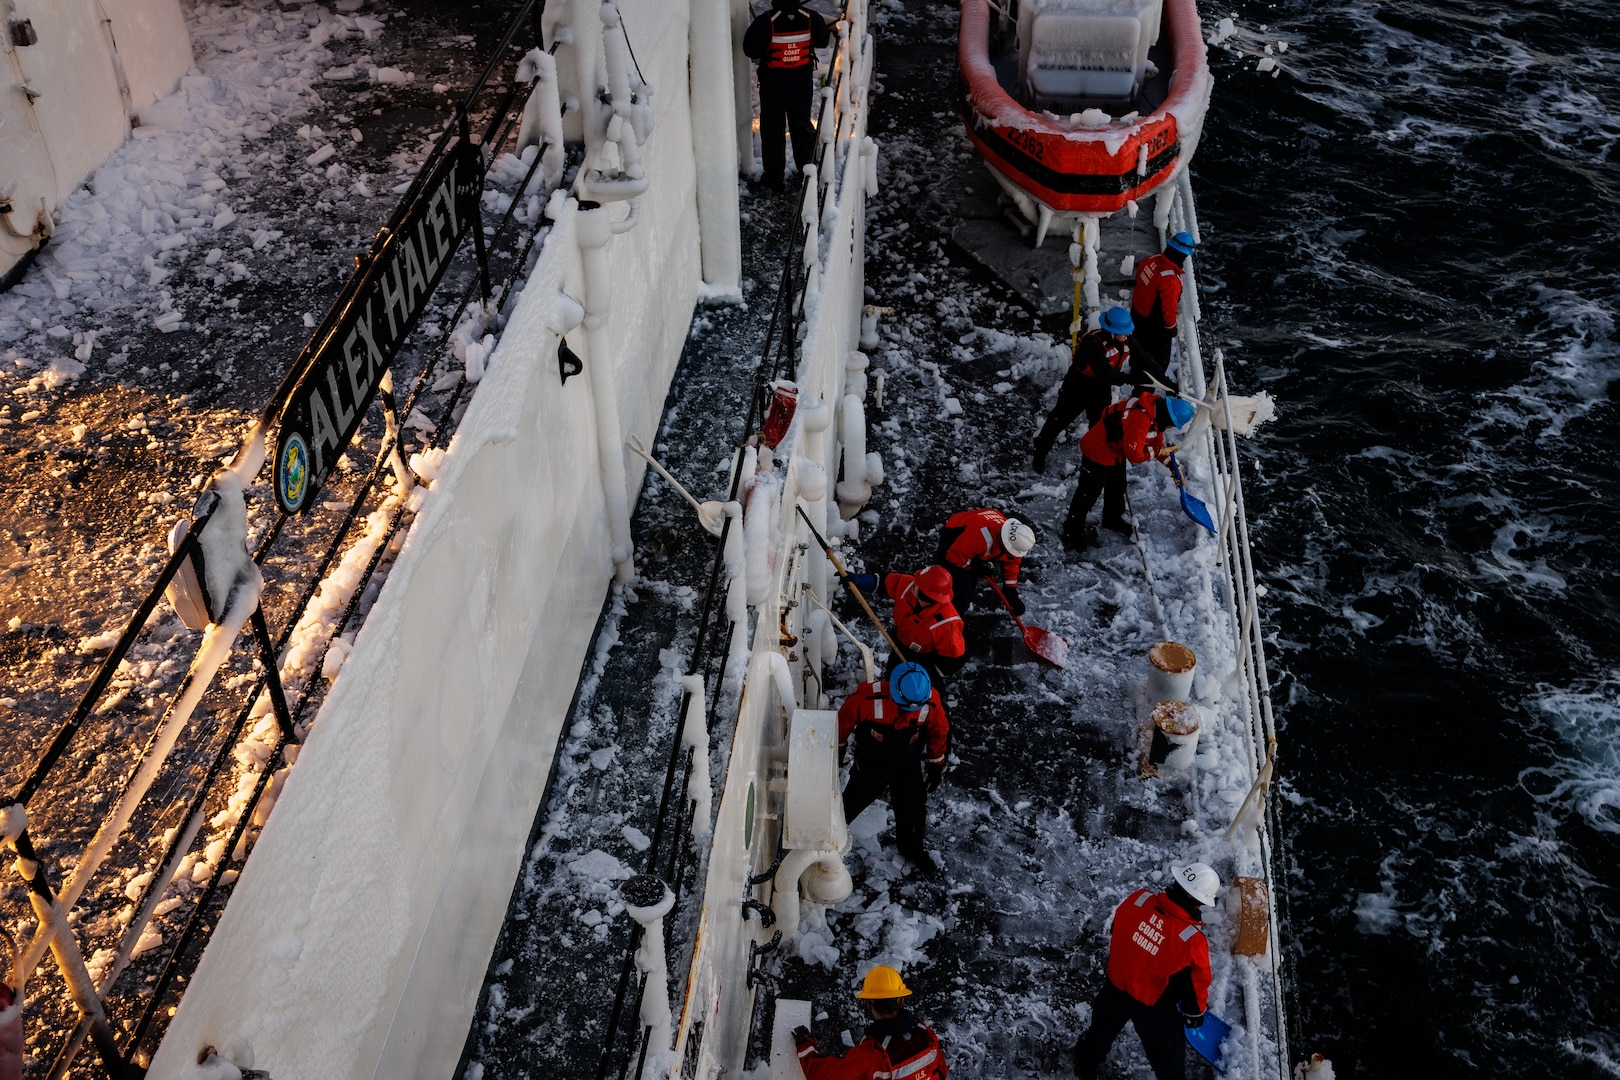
[883,983]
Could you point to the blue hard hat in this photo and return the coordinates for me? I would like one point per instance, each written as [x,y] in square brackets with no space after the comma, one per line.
[1117,320]
[1182,242]
[910,686]
[1181,412]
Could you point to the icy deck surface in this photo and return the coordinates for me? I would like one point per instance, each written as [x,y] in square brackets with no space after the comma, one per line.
[1043,823]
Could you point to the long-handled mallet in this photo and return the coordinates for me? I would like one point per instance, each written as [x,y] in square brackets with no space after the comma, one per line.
[838,564]
[711,514]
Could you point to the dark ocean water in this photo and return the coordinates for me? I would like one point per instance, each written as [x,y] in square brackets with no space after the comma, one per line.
[1411,241]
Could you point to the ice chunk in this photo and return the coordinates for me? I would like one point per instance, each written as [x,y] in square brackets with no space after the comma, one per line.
[137,885]
[598,865]
[60,370]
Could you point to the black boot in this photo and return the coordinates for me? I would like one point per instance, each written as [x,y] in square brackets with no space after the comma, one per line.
[922,862]
[1119,525]
[1039,463]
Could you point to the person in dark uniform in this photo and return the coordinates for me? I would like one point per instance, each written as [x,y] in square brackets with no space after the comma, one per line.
[783,41]
[1103,359]
[901,739]
[1158,974]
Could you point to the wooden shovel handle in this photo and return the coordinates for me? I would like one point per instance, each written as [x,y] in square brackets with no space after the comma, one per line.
[844,574]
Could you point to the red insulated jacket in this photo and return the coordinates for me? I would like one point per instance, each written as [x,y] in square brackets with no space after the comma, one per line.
[872,706]
[889,1052]
[1153,939]
[978,539]
[1157,291]
[930,627]
[1127,431]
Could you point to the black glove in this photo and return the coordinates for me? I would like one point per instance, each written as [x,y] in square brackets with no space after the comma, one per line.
[1196,1020]
[1014,601]
[801,1035]
[935,776]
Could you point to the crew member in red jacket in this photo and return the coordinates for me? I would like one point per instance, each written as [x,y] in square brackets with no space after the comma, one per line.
[926,622]
[1130,430]
[901,738]
[984,543]
[784,41]
[1156,298]
[897,1045]
[1158,974]
[1101,358]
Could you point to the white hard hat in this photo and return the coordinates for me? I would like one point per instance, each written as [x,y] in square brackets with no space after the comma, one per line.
[1198,881]
[1017,537]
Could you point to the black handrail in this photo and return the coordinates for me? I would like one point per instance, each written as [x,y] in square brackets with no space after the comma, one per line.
[502,123]
[109,666]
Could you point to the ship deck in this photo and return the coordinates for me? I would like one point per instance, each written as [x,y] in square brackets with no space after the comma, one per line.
[1044,822]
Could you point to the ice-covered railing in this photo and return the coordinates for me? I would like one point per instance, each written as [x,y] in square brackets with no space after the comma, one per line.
[759,564]
[1252,825]
[683,821]
[261,737]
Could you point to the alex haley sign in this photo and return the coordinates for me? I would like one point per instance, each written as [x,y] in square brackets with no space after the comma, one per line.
[377,310]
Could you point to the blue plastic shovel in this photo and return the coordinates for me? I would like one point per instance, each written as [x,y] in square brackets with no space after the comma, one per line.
[1207,1039]
[1190,503]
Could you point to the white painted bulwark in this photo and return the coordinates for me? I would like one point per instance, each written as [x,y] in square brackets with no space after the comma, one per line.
[153,46]
[68,97]
[359,934]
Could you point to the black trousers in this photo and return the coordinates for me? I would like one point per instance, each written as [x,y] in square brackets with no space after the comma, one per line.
[1156,336]
[1080,393]
[1105,480]
[785,108]
[1158,1026]
[964,579]
[897,771]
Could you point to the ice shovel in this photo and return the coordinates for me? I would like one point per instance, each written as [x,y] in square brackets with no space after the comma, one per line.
[712,513]
[1043,643]
[1190,503]
[1207,1038]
